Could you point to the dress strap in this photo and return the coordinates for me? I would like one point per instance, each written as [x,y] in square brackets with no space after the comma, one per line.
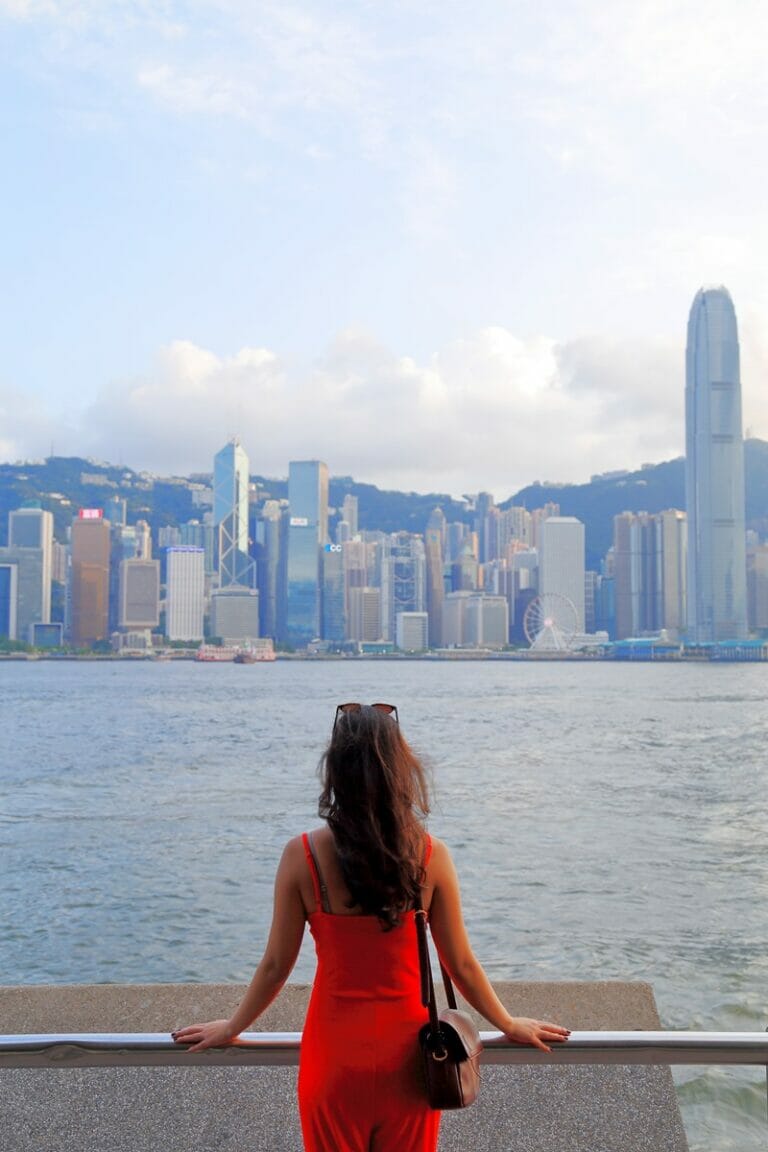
[321,892]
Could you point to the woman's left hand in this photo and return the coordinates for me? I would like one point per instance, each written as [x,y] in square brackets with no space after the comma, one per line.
[536,1032]
[214,1034]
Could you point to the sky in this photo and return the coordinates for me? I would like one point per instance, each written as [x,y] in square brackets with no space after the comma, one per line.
[443,246]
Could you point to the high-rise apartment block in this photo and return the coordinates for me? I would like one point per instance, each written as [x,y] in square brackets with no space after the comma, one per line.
[714,472]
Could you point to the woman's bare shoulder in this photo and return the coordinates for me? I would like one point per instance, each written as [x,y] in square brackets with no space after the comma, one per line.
[441,855]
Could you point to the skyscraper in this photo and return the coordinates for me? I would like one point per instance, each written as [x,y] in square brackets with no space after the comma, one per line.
[714,472]
[90,576]
[32,527]
[230,516]
[561,561]
[307,533]
[185,593]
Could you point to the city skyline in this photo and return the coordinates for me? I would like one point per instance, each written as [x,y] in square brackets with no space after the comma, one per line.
[476,235]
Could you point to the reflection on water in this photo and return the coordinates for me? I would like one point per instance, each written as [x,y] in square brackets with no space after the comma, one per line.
[607,822]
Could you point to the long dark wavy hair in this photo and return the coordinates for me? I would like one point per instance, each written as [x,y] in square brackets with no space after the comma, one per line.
[375,797]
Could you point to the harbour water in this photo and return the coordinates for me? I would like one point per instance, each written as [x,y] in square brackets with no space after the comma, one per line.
[608,822]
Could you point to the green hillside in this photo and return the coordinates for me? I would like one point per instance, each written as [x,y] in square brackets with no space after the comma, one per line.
[65,484]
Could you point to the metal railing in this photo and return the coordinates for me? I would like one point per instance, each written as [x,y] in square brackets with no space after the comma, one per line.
[144,1049]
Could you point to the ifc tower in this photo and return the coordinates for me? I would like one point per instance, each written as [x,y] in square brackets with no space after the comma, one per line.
[714,472]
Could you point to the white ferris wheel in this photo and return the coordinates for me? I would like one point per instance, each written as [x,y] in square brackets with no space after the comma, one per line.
[550,623]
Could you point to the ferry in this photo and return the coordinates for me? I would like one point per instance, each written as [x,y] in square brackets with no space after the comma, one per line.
[255,652]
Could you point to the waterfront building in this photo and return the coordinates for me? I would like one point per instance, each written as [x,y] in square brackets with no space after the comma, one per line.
[364,623]
[334,628]
[9,577]
[403,578]
[412,631]
[538,517]
[561,561]
[59,563]
[591,585]
[485,526]
[230,516]
[271,561]
[486,621]
[434,537]
[515,525]
[123,545]
[169,536]
[757,586]
[714,472]
[307,535]
[47,635]
[499,580]
[32,527]
[465,570]
[454,618]
[116,511]
[635,574]
[454,538]
[185,593]
[671,532]
[199,534]
[89,577]
[235,614]
[349,514]
[138,594]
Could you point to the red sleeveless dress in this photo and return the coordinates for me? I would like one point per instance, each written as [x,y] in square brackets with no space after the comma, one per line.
[360,1086]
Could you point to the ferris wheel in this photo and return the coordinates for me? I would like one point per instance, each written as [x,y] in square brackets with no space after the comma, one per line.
[550,623]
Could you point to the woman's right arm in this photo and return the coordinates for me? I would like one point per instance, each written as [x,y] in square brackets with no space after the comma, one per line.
[276,965]
[450,935]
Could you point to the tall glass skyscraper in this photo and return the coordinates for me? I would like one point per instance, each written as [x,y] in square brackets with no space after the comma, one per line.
[714,472]
[230,516]
[307,534]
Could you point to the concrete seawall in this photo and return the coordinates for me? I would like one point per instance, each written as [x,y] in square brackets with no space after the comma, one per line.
[521,1109]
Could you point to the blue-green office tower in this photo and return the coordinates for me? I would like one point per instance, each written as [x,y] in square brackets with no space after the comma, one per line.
[307,536]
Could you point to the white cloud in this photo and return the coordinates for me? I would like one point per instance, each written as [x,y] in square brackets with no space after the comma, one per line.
[491,411]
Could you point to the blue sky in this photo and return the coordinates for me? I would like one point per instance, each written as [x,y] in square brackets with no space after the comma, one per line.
[443,246]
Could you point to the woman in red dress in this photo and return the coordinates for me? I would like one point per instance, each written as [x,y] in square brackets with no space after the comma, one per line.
[356,882]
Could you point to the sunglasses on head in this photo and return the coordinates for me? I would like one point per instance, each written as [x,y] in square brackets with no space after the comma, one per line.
[344,709]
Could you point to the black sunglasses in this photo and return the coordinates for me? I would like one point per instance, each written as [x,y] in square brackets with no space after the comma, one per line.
[344,709]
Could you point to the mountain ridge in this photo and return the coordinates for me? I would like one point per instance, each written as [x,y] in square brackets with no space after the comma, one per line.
[64,484]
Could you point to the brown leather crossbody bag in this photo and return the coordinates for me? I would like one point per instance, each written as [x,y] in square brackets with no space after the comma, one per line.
[450,1042]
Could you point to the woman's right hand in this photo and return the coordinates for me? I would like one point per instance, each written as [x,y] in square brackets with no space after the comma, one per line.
[536,1032]
[214,1034]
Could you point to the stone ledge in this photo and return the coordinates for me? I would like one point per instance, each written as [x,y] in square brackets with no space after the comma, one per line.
[528,1109]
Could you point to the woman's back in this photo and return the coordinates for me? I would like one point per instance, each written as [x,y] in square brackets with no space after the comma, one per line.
[359,1068]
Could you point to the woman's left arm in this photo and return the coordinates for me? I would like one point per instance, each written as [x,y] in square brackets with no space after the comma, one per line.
[285,935]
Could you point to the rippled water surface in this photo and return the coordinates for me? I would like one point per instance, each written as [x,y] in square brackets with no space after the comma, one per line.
[608,822]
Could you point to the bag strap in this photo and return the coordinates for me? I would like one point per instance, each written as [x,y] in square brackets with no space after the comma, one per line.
[428,998]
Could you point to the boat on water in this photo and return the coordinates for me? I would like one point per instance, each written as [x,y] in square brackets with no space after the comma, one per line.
[255,652]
